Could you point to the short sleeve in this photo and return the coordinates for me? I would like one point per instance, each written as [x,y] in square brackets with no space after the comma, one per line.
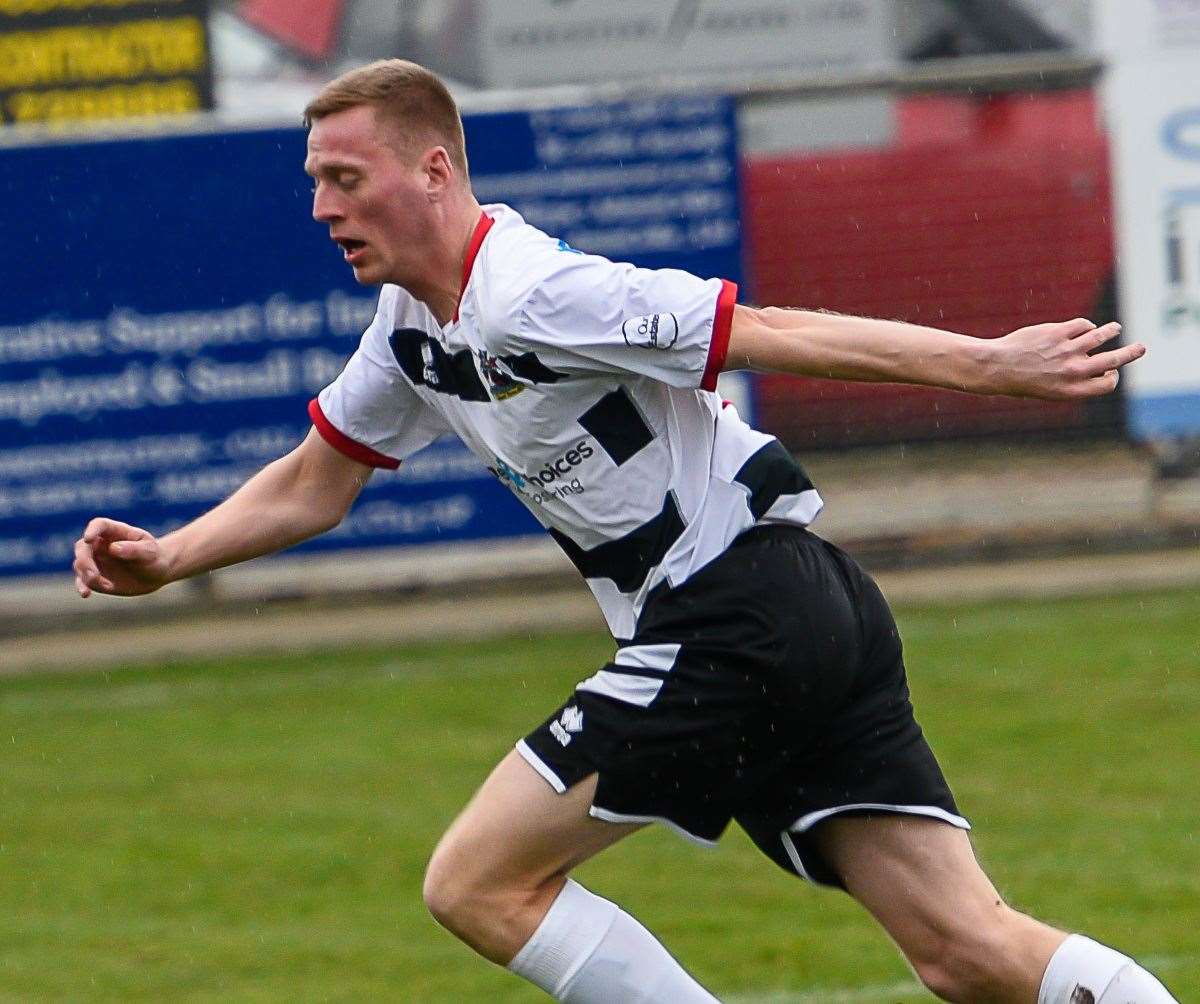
[371,412]
[596,314]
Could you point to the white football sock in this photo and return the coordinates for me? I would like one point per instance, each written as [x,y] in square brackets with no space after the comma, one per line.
[589,951]
[1083,971]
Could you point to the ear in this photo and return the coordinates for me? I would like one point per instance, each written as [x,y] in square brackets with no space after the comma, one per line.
[438,171]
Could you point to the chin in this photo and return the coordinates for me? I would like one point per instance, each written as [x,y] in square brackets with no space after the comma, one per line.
[366,277]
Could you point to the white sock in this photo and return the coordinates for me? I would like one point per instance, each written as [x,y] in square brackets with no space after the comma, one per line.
[589,951]
[1083,971]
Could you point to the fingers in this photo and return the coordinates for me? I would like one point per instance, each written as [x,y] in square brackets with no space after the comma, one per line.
[136,551]
[1093,337]
[85,565]
[111,529]
[116,558]
[100,583]
[87,573]
[1078,326]
[1104,362]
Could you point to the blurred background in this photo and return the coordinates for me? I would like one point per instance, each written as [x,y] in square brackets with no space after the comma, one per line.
[170,308]
[974,166]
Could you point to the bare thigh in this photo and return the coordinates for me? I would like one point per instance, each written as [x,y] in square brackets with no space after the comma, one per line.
[505,858]
[920,879]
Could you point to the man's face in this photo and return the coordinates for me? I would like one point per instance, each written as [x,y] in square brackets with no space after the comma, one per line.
[373,197]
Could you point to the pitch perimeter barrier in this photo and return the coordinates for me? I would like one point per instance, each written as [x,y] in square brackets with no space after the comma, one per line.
[973,194]
[172,308]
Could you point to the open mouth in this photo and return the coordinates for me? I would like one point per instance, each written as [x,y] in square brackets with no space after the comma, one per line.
[350,247]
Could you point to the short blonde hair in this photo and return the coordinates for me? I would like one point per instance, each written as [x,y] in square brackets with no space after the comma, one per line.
[405,94]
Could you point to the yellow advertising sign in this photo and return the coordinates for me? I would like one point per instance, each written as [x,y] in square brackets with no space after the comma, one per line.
[67,61]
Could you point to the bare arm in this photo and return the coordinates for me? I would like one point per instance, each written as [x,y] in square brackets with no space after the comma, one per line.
[300,495]
[1052,360]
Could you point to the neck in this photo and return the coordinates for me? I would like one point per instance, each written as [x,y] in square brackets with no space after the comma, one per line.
[441,284]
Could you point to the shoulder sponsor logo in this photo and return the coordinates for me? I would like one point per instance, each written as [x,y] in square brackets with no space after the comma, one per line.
[651,331]
[569,723]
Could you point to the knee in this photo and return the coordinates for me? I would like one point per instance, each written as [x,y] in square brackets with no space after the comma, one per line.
[444,897]
[453,894]
[489,915]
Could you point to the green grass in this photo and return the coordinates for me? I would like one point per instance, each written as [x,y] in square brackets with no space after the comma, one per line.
[256,830]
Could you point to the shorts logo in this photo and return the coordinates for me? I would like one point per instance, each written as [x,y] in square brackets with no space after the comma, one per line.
[569,722]
[651,331]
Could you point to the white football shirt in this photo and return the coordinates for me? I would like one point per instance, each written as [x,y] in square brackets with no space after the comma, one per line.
[587,387]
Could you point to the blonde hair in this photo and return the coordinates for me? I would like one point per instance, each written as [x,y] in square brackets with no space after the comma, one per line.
[405,94]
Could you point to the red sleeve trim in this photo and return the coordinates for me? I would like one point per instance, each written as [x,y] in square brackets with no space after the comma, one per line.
[344,444]
[718,347]
[477,236]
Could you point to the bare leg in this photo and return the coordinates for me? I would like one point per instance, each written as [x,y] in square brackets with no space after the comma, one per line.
[505,859]
[919,878]
[498,880]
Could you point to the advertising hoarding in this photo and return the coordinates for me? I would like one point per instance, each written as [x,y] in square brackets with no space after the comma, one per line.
[498,43]
[67,61]
[1152,95]
[173,307]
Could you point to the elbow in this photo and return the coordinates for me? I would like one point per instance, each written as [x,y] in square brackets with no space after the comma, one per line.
[330,521]
[328,511]
[765,340]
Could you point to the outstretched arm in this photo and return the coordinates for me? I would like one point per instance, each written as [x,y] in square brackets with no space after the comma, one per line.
[1056,360]
[302,494]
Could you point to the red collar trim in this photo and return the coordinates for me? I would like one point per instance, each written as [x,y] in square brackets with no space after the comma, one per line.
[480,232]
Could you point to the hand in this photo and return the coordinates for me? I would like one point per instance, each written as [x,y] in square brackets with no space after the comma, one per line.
[1058,361]
[119,559]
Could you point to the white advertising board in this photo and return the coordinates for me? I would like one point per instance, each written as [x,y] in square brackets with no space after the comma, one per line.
[539,42]
[1152,100]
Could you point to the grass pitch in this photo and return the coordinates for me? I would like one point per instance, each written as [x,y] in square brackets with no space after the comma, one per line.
[256,830]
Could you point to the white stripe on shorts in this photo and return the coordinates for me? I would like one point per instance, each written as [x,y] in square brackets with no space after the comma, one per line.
[661,656]
[628,688]
[540,765]
[621,817]
[639,690]
[789,845]
[807,822]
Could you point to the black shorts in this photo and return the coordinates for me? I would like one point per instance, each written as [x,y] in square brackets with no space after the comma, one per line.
[768,689]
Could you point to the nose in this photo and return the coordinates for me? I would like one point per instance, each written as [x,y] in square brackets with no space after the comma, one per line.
[325,208]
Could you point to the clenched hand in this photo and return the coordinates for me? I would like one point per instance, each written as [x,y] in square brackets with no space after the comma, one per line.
[118,559]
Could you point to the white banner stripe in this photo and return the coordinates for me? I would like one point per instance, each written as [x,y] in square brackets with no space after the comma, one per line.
[639,690]
[660,656]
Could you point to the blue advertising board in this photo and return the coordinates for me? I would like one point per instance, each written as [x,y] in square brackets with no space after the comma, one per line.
[170,307]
